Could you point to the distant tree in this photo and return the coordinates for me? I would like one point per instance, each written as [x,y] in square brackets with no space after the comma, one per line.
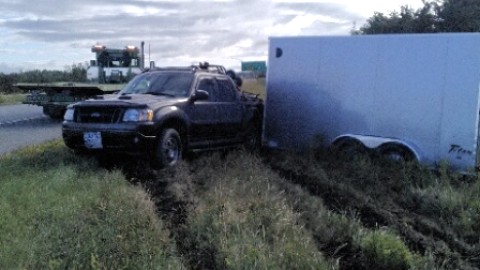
[434,16]
[458,16]
[75,73]
[6,84]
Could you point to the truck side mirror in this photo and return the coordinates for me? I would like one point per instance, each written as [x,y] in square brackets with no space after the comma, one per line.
[200,95]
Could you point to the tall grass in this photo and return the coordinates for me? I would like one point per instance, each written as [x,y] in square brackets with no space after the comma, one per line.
[255,87]
[244,215]
[61,211]
[431,211]
[8,99]
[243,212]
[235,211]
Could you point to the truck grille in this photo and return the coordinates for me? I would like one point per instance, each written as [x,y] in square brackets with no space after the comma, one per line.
[98,115]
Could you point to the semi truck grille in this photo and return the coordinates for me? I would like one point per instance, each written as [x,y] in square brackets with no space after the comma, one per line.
[98,115]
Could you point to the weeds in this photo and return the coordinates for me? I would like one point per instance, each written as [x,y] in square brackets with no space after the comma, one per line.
[8,99]
[62,211]
[234,211]
[245,215]
[429,211]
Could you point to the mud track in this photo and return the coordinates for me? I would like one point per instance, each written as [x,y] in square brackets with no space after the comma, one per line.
[420,233]
[171,208]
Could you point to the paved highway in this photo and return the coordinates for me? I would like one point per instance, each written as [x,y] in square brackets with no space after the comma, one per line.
[23,125]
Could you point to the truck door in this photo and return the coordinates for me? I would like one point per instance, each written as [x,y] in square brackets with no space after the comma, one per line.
[205,117]
[229,108]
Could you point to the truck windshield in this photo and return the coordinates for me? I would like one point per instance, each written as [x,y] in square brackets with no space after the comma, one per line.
[160,83]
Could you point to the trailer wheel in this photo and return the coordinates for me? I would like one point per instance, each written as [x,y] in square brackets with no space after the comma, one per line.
[396,152]
[169,149]
[349,149]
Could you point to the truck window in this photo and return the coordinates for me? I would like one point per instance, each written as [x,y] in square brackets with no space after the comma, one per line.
[207,84]
[173,84]
[227,92]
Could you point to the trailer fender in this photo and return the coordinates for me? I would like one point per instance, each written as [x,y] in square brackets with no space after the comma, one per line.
[391,147]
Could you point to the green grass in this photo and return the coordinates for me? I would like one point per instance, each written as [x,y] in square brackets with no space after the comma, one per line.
[9,99]
[235,211]
[243,213]
[409,203]
[255,86]
[61,211]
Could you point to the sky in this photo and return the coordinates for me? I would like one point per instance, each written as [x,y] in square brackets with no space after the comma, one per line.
[54,35]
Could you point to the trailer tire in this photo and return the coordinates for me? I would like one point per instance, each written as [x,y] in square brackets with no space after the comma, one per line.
[169,148]
[396,152]
[349,149]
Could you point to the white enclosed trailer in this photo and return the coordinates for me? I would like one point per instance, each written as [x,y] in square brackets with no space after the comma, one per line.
[413,96]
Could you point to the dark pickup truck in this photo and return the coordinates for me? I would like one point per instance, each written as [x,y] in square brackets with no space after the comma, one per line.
[165,112]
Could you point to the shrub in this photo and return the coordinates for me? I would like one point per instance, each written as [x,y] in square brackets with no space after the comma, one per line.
[382,250]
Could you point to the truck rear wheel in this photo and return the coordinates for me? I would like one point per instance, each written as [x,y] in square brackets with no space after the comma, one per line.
[169,149]
[54,112]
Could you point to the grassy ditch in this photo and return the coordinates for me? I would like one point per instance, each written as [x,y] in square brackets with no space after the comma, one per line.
[60,211]
[228,212]
[9,99]
[234,211]
[433,213]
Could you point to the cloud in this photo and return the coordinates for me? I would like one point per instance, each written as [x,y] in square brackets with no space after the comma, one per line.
[174,29]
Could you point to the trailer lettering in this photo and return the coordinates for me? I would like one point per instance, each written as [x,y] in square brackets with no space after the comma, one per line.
[457,149]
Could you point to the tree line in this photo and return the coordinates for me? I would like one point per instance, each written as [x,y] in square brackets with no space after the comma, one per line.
[75,73]
[434,17]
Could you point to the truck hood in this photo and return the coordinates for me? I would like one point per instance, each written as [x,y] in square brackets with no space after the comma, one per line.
[133,100]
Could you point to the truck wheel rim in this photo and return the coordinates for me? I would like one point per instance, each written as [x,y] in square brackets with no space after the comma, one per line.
[171,150]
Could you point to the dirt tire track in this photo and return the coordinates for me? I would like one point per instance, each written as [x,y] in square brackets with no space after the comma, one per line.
[420,233]
[173,209]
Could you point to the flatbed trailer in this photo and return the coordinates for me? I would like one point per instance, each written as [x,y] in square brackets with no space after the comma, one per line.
[108,73]
[54,97]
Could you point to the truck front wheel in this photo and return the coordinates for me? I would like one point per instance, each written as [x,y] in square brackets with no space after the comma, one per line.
[169,149]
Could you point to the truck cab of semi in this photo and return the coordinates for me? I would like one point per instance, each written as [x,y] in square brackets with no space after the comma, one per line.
[114,65]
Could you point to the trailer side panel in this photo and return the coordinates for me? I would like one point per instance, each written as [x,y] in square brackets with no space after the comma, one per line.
[420,89]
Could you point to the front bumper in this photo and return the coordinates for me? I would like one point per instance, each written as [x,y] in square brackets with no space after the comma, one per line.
[129,138]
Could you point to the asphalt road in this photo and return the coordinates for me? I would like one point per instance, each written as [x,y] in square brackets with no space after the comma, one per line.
[23,125]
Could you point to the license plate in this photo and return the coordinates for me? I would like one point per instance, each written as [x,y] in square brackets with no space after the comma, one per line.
[93,140]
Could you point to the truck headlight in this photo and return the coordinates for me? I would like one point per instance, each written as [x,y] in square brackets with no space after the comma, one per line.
[137,115]
[68,116]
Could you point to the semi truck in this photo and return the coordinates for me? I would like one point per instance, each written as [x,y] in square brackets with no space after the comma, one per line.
[108,73]
[408,97]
